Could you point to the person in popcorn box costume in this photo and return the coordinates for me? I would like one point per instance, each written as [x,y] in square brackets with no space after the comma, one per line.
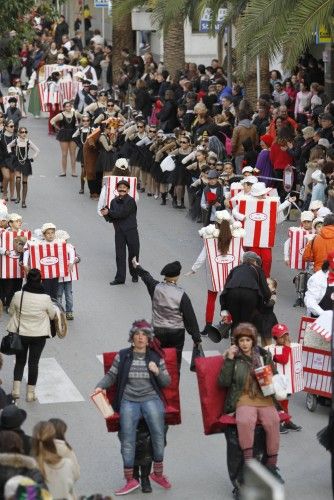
[306,219]
[225,230]
[245,398]
[280,334]
[65,284]
[9,286]
[212,198]
[139,373]
[259,191]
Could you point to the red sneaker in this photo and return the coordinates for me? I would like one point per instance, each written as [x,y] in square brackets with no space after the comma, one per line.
[131,485]
[161,480]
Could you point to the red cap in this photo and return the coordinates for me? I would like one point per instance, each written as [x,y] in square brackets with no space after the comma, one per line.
[267,139]
[279,330]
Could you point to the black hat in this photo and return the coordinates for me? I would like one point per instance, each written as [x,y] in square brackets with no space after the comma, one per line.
[124,182]
[172,269]
[12,417]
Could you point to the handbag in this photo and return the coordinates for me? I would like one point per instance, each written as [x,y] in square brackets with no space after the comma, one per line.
[280,387]
[12,343]
[197,353]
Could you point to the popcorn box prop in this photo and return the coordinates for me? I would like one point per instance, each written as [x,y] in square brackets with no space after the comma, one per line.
[221,265]
[317,371]
[10,264]
[109,190]
[264,376]
[293,370]
[260,221]
[297,237]
[50,258]
[236,187]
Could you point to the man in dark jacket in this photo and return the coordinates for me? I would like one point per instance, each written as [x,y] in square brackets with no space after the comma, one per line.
[168,114]
[172,310]
[122,213]
[61,29]
[245,291]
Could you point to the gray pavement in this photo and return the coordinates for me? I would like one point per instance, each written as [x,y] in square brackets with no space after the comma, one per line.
[195,464]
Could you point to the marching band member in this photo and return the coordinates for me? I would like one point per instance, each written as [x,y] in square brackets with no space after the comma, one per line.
[80,137]
[20,148]
[65,121]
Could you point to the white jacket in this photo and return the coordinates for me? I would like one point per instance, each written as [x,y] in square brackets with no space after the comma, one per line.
[316,289]
[37,310]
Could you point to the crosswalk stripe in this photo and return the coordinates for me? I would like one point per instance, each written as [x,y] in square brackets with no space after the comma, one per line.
[54,385]
[186,355]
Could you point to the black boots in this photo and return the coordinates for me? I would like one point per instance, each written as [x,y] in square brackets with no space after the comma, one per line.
[143,477]
[163,198]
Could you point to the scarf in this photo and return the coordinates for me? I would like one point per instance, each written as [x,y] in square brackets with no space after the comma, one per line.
[254,361]
[33,288]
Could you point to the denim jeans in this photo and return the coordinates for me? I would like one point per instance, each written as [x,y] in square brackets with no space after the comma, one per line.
[66,287]
[154,414]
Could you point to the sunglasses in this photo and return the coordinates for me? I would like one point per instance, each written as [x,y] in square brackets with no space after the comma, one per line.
[140,126]
[184,142]
[110,105]
[10,126]
[23,131]
[153,131]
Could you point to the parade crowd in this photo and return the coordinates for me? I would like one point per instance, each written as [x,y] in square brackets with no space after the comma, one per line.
[196,144]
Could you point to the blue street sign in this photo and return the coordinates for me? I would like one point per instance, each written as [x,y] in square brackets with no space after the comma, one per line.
[204,23]
[101,3]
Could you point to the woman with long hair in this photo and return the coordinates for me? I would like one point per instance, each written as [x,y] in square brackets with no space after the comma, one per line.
[6,160]
[223,232]
[58,472]
[80,137]
[63,448]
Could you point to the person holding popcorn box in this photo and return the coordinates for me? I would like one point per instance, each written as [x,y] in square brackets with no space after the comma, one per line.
[65,283]
[288,363]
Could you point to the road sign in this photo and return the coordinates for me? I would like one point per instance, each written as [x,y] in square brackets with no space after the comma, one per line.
[323,36]
[204,24]
[101,3]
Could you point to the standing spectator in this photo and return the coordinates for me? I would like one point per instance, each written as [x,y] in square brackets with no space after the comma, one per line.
[168,114]
[61,29]
[244,130]
[11,419]
[317,250]
[327,130]
[261,121]
[59,473]
[143,100]
[30,311]
[280,95]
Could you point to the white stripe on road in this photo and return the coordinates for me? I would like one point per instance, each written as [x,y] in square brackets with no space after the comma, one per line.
[53,385]
[186,355]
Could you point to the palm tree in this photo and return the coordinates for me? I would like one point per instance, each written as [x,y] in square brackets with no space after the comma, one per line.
[121,38]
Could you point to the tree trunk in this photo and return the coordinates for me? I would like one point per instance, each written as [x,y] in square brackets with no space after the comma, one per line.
[174,58]
[329,71]
[122,37]
[251,89]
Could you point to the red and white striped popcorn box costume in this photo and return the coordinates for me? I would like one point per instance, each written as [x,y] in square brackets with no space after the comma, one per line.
[297,243]
[50,258]
[109,190]
[235,188]
[220,265]
[47,95]
[74,274]
[293,369]
[260,221]
[66,92]
[10,267]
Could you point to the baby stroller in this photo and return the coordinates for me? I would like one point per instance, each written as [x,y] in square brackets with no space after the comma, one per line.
[300,282]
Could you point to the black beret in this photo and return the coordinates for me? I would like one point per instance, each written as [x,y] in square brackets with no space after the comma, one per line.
[172,269]
[124,182]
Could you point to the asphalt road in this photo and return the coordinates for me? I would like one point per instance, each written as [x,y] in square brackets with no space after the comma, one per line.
[194,463]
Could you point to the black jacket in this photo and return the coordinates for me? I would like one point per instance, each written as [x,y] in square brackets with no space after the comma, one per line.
[122,213]
[143,102]
[168,117]
[125,362]
[14,464]
[247,276]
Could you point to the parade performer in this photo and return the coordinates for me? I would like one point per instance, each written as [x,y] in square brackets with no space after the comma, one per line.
[245,397]
[52,98]
[245,291]
[122,213]
[83,97]
[318,294]
[108,150]
[31,309]
[227,243]
[11,285]
[139,373]
[20,148]
[65,122]
[172,310]
[280,334]
[65,283]
[306,219]
[80,137]
[212,198]
[6,160]
[13,113]
[263,215]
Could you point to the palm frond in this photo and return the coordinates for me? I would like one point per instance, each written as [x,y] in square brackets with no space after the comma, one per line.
[267,25]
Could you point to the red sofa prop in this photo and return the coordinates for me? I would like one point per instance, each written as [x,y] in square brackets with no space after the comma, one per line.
[212,396]
[171,393]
